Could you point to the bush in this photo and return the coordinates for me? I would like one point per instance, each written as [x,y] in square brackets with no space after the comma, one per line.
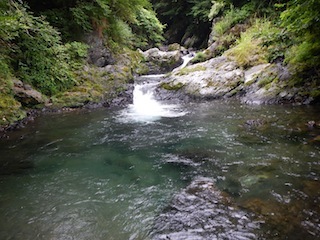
[304,55]
[34,51]
[148,29]
[231,17]
[249,50]
[200,57]
[301,20]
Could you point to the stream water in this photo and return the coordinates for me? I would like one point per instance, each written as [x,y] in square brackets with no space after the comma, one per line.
[106,174]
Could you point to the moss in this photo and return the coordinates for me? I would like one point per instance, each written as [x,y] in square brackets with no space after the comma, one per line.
[76,99]
[249,83]
[174,47]
[187,70]
[171,86]
[233,92]
[315,93]
[142,69]
[201,57]
[265,81]
[10,110]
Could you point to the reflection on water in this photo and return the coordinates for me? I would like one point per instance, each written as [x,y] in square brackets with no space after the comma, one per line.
[90,176]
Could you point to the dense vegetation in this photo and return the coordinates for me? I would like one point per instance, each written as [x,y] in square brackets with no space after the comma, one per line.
[43,44]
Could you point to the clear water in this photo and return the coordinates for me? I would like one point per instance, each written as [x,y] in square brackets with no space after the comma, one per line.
[91,175]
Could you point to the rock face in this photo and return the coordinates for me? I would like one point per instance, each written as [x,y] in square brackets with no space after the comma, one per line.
[201,211]
[221,77]
[98,55]
[26,94]
[212,79]
[158,61]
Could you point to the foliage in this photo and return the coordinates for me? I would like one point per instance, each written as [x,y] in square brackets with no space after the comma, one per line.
[216,8]
[200,9]
[191,69]
[172,86]
[273,38]
[148,29]
[304,54]
[301,19]
[200,57]
[35,52]
[231,17]
[77,54]
[249,51]
[123,23]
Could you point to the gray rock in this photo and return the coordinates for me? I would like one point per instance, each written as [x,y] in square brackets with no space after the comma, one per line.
[98,54]
[26,94]
[221,77]
[208,80]
[160,61]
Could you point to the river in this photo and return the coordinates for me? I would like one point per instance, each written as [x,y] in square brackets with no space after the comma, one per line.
[107,173]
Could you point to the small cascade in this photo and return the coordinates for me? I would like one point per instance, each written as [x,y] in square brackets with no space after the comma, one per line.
[145,107]
[186,59]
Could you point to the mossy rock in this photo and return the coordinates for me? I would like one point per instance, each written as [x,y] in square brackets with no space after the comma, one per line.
[174,47]
[201,57]
[171,86]
[187,70]
[76,99]
[10,110]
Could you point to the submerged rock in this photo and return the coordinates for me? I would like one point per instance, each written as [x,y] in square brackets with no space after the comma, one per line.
[201,211]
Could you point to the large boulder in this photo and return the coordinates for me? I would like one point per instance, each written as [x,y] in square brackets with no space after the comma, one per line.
[26,95]
[201,211]
[159,61]
[221,77]
[212,79]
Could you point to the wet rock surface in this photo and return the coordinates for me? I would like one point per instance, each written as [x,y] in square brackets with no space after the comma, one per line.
[201,211]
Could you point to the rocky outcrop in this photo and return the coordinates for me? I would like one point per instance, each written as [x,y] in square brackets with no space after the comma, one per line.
[158,61]
[212,79]
[221,77]
[26,95]
[201,211]
[98,54]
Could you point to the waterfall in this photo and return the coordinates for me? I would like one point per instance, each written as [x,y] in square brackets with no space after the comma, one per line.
[186,59]
[145,107]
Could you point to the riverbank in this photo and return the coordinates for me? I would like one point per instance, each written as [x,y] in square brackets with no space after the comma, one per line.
[216,78]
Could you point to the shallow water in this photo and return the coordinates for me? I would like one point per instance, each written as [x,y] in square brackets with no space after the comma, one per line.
[98,175]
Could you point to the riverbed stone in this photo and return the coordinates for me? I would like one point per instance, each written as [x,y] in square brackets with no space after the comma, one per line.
[201,211]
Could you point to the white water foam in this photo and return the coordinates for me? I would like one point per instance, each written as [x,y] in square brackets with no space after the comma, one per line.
[146,109]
